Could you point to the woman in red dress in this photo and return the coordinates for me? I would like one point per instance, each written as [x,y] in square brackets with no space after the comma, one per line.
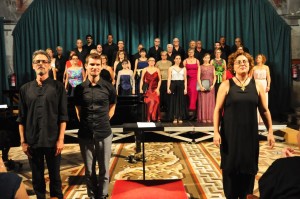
[150,85]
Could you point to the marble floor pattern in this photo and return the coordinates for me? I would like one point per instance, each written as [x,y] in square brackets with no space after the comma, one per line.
[197,164]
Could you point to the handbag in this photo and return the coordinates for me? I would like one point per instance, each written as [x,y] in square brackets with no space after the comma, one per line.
[205,84]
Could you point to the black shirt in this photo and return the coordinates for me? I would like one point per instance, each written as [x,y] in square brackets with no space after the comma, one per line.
[234,49]
[281,180]
[9,185]
[226,50]
[81,55]
[60,67]
[94,102]
[155,53]
[41,110]
[171,57]
[108,50]
[89,48]
[133,58]
[180,52]
[200,54]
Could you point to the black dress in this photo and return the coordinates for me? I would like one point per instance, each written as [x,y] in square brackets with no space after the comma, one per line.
[239,130]
[104,74]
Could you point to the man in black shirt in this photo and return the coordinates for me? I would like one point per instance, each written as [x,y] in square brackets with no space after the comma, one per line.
[238,43]
[89,43]
[109,48]
[121,47]
[177,49]
[224,47]
[217,47]
[95,105]
[60,69]
[155,50]
[199,51]
[42,123]
[80,51]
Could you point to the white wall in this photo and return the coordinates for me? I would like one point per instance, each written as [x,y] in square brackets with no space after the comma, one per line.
[296,42]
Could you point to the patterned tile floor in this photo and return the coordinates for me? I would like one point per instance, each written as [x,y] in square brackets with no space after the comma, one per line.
[196,164]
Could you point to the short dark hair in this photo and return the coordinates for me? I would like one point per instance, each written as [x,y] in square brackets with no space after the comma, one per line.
[143,50]
[88,36]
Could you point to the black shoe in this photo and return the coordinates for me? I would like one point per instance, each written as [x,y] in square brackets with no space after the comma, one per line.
[131,159]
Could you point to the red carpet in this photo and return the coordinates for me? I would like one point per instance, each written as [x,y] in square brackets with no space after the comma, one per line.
[148,189]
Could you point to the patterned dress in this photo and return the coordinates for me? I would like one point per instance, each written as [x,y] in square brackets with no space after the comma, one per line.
[206,99]
[218,64]
[75,78]
[192,70]
[151,98]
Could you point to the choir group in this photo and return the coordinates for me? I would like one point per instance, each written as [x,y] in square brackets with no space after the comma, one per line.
[181,83]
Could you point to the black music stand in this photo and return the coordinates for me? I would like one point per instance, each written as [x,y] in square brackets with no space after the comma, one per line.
[135,127]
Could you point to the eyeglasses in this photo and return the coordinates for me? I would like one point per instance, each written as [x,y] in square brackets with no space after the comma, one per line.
[40,61]
[239,62]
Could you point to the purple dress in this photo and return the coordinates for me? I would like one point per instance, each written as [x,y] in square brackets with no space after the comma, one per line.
[206,99]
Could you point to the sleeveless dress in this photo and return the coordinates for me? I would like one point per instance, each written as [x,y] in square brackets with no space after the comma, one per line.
[218,64]
[206,99]
[239,130]
[140,66]
[151,98]
[178,102]
[261,76]
[192,70]
[75,78]
[104,74]
[125,87]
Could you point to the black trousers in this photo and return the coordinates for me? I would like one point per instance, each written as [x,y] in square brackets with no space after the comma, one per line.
[238,185]
[37,167]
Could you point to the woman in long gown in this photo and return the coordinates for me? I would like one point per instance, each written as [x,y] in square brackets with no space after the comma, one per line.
[261,73]
[125,81]
[192,64]
[177,88]
[139,64]
[151,81]
[235,111]
[206,98]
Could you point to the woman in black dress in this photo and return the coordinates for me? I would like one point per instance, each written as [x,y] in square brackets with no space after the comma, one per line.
[235,111]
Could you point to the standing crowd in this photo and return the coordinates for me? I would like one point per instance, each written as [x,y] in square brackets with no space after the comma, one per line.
[222,86]
[183,84]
